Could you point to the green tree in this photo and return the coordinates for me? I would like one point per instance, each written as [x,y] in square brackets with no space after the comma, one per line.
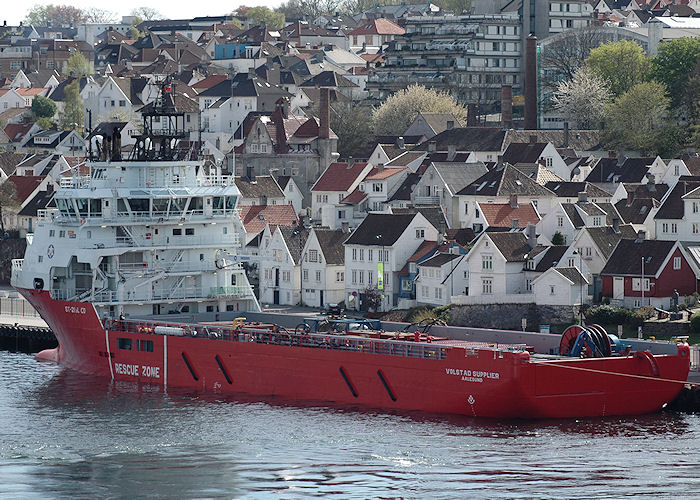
[621,64]
[582,99]
[558,239]
[73,115]
[399,110]
[273,20]
[43,107]
[639,120]
[78,65]
[8,201]
[674,64]
[372,297]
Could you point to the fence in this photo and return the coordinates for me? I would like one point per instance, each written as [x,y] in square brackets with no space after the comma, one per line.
[17,307]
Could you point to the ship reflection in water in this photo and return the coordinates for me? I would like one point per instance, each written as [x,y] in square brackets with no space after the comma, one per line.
[65,434]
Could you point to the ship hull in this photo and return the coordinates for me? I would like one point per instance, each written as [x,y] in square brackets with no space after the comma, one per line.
[475,382]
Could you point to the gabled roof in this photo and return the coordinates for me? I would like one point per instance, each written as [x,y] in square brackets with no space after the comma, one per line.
[648,190]
[505,180]
[513,246]
[461,236]
[627,257]
[295,237]
[440,259]
[606,238]
[331,242]
[572,274]
[39,202]
[339,176]
[438,122]
[579,140]
[256,217]
[379,26]
[16,131]
[263,185]
[637,211]
[608,170]
[434,214]
[380,229]
[10,160]
[568,189]
[503,215]
[376,175]
[404,191]
[523,152]
[457,176]
[25,185]
[209,82]
[468,139]
[355,197]
[328,79]
[552,256]
[673,207]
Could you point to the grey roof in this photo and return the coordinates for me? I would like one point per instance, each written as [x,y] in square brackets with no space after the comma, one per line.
[637,211]
[572,274]
[606,239]
[505,180]
[9,161]
[438,121]
[589,208]
[457,176]
[439,260]
[328,79]
[579,140]
[568,189]
[572,213]
[434,214]
[295,237]
[551,258]
[514,246]
[673,206]
[626,259]
[468,139]
[523,152]
[331,242]
[380,229]
[263,185]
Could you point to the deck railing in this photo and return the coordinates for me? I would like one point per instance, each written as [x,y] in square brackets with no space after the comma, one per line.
[272,334]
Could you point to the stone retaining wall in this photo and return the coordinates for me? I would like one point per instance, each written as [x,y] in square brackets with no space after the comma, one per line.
[665,329]
[510,316]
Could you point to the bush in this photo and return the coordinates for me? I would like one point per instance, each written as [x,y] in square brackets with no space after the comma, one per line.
[695,323]
[610,315]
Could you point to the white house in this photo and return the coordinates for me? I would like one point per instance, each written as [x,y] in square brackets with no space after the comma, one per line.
[381,183]
[440,277]
[323,271]
[291,192]
[335,183]
[280,266]
[561,286]
[377,250]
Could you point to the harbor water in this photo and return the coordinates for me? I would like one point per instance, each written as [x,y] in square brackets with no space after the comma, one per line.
[69,435]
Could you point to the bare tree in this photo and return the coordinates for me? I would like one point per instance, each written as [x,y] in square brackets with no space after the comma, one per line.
[563,54]
[97,15]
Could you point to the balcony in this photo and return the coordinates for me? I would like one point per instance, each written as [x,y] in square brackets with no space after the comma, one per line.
[427,200]
[75,182]
[215,180]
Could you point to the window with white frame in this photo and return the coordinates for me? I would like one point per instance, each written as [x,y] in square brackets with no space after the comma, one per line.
[528,285]
[313,255]
[370,277]
[354,254]
[362,254]
[552,290]
[487,262]
[696,228]
[664,227]
[676,263]
[353,275]
[560,221]
[370,255]
[636,284]
[340,276]
[420,233]
[674,228]
[362,277]
[318,276]
[306,275]
[696,206]
[487,286]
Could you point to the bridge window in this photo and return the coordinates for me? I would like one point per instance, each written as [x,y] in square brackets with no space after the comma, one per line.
[145,345]
[124,344]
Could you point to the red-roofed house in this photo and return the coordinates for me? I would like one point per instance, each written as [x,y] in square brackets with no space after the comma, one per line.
[511,215]
[208,82]
[338,181]
[27,187]
[256,217]
[381,184]
[373,35]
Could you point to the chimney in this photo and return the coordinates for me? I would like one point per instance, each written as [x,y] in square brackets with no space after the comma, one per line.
[380,167]
[250,173]
[531,83]
[641,236]
[630,197]
[432,146]
[582,197]
[324,131]
[400,143]
[530,232]
[471,115]
[451,152]
[612,154]
[513,201]
[507,106]
[450,124]
[533,138]
[616,224]
[345,227]
[351,161]
[566,134]
[651,185]
[514,224]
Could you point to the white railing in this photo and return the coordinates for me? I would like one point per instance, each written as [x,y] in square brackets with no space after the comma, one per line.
[215,180]
[231,240]
[16,270]
[171,267]
[47,214]
[184,293]
[82,181]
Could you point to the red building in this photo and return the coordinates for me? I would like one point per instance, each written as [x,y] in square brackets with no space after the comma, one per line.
[666,267]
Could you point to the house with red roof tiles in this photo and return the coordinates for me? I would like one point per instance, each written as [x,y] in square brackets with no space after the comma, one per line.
[511,215]
[26,188]
[256,217]
[336,183]
[373,35]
